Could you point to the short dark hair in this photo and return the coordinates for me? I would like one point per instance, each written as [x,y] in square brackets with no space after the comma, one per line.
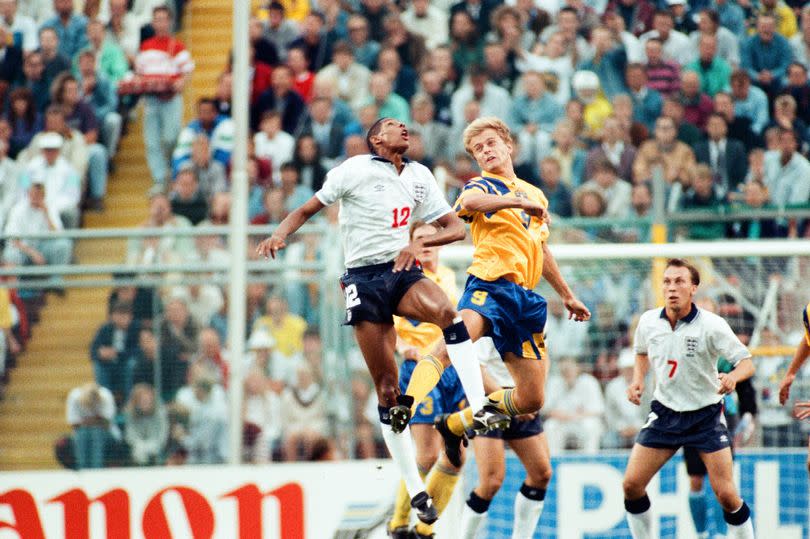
[664,13]
[694,274]
[276,6]
[121,307]
[288,165]
[606,166]
[207,101]
[373,131]
[168,11]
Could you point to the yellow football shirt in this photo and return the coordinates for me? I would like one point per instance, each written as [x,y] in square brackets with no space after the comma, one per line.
[508,243]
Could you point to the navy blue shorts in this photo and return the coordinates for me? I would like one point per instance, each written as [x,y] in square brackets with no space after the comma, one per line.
[374,292]
[447,397]
[517,316]
[691,456]
[704,429]
[518,430]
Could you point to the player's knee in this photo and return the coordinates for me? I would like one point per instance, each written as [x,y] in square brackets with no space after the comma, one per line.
[426,462]
[633,489]
[531,402]
[728,498]
[539,477]
[446,313]
[489,483]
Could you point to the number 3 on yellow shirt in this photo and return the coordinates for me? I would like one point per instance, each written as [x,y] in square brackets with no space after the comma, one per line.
[479,297]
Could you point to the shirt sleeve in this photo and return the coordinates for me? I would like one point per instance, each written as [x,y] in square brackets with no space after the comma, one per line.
[475,186]
[332,188]
[640,339]
[434,205]
[725,343]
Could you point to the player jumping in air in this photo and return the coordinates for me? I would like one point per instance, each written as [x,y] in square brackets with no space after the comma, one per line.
[802,409]
[683,343]
[509,224]
[379,195]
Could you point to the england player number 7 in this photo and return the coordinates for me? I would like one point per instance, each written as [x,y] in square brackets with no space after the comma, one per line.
[673,366]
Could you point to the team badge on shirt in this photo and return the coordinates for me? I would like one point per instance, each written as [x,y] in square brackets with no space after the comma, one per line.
[419,192]
[691,346]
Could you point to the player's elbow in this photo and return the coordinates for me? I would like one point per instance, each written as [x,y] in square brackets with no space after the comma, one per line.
[459,231]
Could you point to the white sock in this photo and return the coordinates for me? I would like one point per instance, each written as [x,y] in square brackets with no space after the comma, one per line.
[745,530]
[640,525]
[527,513]
[404,456]
[464,359]
[470,522]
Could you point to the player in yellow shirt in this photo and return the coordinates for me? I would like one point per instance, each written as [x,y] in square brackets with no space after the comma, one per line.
[509,225]
[802,409]
[414,340]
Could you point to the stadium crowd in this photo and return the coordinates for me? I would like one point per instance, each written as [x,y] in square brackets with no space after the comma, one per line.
[600,95]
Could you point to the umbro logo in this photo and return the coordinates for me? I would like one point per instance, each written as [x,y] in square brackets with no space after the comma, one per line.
[379,188]
[723,438]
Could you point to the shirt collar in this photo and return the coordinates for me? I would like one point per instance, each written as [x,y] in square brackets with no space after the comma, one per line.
[384,160]
[688,318]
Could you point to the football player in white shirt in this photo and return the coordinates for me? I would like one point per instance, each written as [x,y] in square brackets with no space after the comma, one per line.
[683,343]
[379,195]
[802,409]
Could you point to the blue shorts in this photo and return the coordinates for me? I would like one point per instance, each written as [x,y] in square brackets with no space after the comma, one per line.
[517,316]
[704,429]
[374,292]
[518,430]
[447,397]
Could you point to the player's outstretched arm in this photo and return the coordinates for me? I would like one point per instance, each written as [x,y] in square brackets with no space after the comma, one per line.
[743,371]
[636,388]
[802,352]
[482,203]
[551,273]
[451,229]
[291,223]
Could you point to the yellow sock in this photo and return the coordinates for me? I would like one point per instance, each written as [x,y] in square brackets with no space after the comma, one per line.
[424,378]
[460,421]
[504,400]
[440,484]
[401,518]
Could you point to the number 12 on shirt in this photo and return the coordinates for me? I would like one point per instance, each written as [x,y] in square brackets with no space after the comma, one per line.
[401,217]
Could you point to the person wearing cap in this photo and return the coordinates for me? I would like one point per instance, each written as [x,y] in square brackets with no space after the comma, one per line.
[62,182]
[623,419]
[683,20]
[597,108]
[33,215]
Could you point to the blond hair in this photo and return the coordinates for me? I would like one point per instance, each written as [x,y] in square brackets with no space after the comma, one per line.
[480,125]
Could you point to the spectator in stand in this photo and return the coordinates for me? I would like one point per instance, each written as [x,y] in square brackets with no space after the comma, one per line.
[787,172]
[784,115]
[143,300]
[623,418]
[465,42]
[682,19]
[327,131]
[9,183]
[263,51]
[287,329]
[365,49]
[166,249]
[304,409]
[636,14]
[428,21]
[303,78]
[697,105]
[714,72]
[609,61]
[178,344]
[703,196]
[726,43]
[62,183]
[206,438]
[352,78]
[403,76]
[435,135]
[612,148]
[80,117]
[282,98]
[783,15]
[210,354]
[307,159]
[216,127]
[800,43]
[493,100]
[663,76]
[390,105]
[11,59]
[615,190]
[295,194]
[54,61]
[124,29]
[147,426]
[675,45]
[756,198]
[585,85]
[279,30]
[409,47]
[570,157]
[262,413]
[90,412]
[273,210]
[664,149]
[70,27]
[534,109]
[210,173]
[633,131]
[574,410]
[273,143]
[687,132]
[641,202]
[749,101]
[112,350]
[766,55]
[74,148]
[33,79]
[739,127]
[22,27]
[498,66]
[24,119]
[111,62]
[186,197]
[632,45]
[799,88]
[314,41]
[569,28]
[163,56]
[99,93]
[647,102]
[33,215]
[725,157]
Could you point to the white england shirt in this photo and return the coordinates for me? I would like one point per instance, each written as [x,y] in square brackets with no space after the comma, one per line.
[377,206]
[685,359]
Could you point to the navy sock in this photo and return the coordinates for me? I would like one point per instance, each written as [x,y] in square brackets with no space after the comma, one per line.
[533,493]
[385,416]
[477,503]
[456,333]
[738,517]
[636,507]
